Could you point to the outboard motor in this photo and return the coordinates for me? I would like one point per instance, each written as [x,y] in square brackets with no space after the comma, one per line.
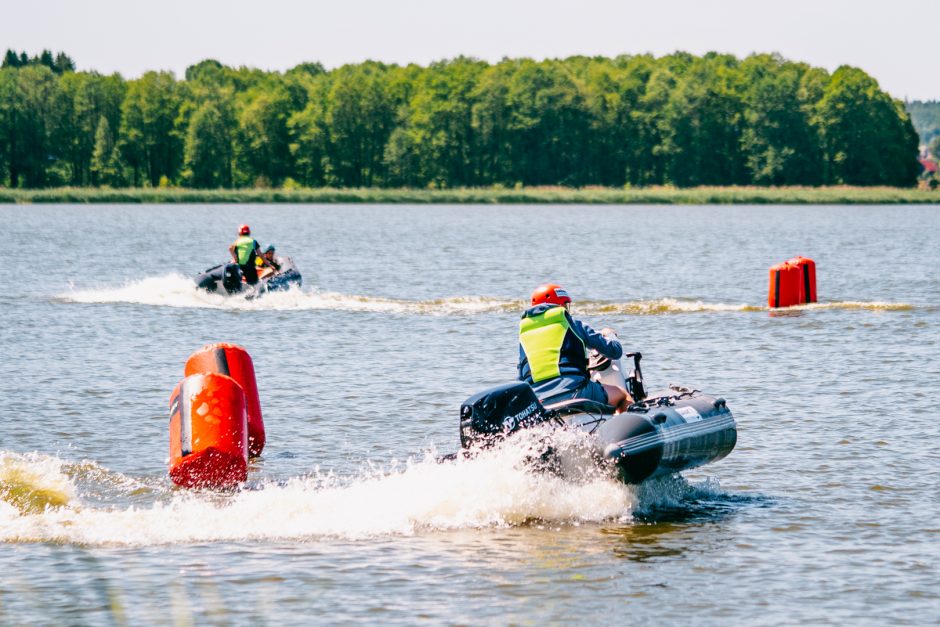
[489,416]
[232,278]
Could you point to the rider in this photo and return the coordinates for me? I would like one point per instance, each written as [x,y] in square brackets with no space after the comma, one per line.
[244,251]
[553,350]
[268,256]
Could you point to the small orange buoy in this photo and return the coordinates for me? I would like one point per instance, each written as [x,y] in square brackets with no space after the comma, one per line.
[208,432]
[808,273]
[786,286]
[234,361]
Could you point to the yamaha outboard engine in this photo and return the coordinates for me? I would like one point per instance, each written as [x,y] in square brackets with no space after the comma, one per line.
[489,416]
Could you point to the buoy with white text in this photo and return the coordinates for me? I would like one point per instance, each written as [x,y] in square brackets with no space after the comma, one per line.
[208,432]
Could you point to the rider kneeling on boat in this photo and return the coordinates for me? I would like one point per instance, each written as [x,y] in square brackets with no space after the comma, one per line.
[553,352]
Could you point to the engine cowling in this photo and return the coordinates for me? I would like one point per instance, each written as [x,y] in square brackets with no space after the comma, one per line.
[491,415]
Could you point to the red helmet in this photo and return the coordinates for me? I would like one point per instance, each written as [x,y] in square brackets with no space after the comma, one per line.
[244,230]
[550,293]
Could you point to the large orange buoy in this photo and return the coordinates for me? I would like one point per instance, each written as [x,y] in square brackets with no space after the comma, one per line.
[808,275]
[208,432]
[786,286]
[234,361]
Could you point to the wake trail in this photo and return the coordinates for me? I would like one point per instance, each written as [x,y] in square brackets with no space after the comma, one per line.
[178,291]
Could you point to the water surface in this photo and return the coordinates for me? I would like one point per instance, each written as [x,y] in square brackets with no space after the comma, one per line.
[826,512]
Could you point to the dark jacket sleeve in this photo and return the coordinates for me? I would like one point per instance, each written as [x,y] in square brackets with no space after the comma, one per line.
[593,339]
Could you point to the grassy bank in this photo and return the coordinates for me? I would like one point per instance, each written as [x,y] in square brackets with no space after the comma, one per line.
[530,195]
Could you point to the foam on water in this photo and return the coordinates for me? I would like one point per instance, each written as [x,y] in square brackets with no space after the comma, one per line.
[421,495]
[662,306]
[33,483]
[178,291]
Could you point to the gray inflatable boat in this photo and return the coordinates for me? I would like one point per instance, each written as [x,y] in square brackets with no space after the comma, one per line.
[663,432]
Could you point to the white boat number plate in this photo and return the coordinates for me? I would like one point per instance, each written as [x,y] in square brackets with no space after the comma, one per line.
[689,414]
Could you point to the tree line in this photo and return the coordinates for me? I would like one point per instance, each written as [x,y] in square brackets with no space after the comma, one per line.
[680,120]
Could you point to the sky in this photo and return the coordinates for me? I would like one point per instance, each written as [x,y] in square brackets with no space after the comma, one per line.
[893,41]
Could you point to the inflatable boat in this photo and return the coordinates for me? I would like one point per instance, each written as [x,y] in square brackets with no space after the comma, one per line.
[663,432]
[227,278]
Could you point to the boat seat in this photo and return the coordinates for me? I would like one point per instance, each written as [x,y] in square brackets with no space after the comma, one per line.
[580,406]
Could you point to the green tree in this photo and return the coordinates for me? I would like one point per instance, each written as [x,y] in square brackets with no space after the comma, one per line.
[85,98]
[208,71]
[778,142]
[209,152]
[434,139]
[533,122]
[867,137]
[106,167]
[150,137]
[548,124]
[490,122]
[63,63]
[634,120]
[28,121]
[704,119]
[649,152]
[615,90]
[262,144]
[8,108]
[360,115]
[308,70]
[309,135]
[11,59]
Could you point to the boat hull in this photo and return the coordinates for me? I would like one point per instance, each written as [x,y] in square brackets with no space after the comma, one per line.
[668,432]
[227,279]
[692,430]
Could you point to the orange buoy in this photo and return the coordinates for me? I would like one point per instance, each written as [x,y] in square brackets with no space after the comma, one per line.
[208,432]
[808,273]
[786,286]
[234,361]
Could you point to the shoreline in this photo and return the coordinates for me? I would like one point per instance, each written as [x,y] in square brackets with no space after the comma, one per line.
[526,195]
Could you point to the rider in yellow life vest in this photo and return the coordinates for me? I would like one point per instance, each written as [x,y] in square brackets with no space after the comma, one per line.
[272,262]
[244,251]
[553,349]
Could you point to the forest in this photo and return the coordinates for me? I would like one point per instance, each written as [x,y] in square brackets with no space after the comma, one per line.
[629,121]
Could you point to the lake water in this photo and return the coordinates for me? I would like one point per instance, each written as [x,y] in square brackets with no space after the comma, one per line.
[826,512]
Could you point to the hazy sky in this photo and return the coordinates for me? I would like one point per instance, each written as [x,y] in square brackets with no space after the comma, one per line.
[893,41]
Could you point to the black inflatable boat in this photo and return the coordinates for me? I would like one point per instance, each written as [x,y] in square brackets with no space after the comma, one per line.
[227,278]
[662,433]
